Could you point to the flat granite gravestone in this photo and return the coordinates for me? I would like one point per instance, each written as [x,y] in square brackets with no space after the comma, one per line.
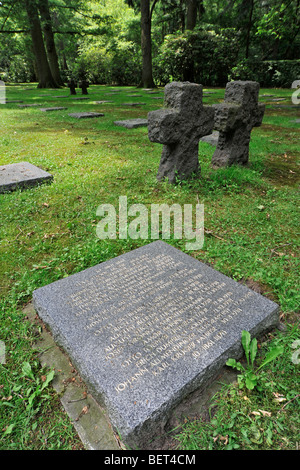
[45,110]
[29,105]
[132,104]
[21,175]
[211,139]
[134,95]
[132,123]
[85,115]
[179,127]
[235,119]
[13,101]
[146,329]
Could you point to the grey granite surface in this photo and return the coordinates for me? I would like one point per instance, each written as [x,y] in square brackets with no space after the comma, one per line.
[132,123]
[21,175]
[149,327]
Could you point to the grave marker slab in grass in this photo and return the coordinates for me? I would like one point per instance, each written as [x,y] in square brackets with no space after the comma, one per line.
[146,329]
[85,115]
[132,123]
[21,175]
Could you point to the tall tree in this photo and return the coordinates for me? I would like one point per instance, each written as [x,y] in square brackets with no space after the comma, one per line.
[146,43]
[45,77]
[191,14]
[44,10]
[146,9]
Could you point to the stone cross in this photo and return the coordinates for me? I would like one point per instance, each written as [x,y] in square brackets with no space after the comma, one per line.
[179,127]
[72,86]
[234,119]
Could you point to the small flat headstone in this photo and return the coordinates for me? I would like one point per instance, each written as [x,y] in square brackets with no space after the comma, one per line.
[80,98]
[132,104]
[278,99]
[152,92]
[52,109]
[297,121]
[21,175]
[211,138]
[132,123]
[286,106]
[29,105]
[14,101]
[148,328]
[134,95]
[103,102]
[85,115]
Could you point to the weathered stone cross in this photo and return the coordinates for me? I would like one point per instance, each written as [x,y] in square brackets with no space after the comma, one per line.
[179,127]
[234,119]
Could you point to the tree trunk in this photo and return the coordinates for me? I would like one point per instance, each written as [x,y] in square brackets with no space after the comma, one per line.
[191,14]
[45,77]
[147,77]
[49,39]
[249,29]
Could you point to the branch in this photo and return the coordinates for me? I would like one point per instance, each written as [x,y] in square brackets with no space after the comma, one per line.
[91,33]
[15,31]
[8,14]
[152,8]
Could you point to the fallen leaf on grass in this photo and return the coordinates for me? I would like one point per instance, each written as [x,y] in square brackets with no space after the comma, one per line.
[265,413]
[278,397]
[261,412]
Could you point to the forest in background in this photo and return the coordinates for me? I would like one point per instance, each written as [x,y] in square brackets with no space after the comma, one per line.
[150,42]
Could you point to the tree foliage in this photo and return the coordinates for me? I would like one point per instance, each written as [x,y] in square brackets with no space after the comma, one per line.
[147,41]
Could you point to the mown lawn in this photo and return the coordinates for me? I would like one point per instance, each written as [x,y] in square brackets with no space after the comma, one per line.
[49,232]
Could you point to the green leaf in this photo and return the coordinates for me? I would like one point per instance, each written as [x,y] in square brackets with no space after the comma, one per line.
[235,365]
[275,352]
[31,398]
[49,379]
[231,363]
[251,381]
[246,339]
[253,350]
[27,371]
[9,429]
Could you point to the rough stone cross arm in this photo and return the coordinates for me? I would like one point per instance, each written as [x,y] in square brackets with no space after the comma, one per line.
[164,125]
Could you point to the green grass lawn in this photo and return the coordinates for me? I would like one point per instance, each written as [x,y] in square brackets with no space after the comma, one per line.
[49,232]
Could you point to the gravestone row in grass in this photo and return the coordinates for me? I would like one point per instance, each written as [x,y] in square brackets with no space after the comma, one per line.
[184,121]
